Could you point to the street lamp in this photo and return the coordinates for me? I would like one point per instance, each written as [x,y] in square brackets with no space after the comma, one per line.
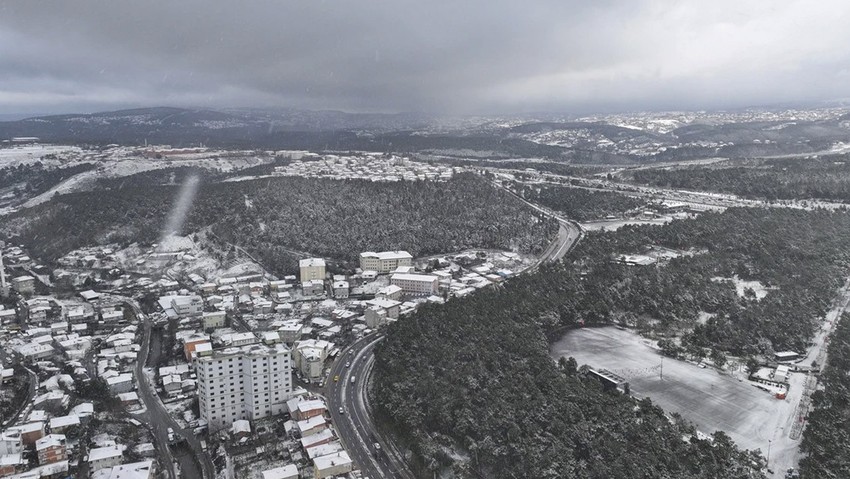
[768,454]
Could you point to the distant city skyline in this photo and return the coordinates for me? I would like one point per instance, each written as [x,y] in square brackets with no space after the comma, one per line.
[434,57]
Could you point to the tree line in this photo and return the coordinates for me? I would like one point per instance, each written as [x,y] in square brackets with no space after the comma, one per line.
[470,388]
[271,218]
[825,439]
[577,203]
[825,178]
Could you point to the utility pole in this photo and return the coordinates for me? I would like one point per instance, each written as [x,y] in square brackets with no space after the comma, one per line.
[768,454]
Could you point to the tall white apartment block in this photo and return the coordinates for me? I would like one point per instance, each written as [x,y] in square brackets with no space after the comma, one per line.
[312,268]
[249,382]
[385,261]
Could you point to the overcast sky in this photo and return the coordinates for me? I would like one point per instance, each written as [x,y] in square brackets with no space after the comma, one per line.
[422,55]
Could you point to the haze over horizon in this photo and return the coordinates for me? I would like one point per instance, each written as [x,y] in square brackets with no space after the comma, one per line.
[437,57]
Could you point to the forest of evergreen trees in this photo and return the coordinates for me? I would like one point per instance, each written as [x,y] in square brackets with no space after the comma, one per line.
[36,178]
[271,218]
[473,378]
[577,204]
[825,178]
[825,440]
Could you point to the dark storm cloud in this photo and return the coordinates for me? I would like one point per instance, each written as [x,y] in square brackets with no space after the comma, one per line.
[414,55]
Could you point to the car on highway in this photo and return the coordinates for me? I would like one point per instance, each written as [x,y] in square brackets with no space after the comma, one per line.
[348,364]
[336,378]
[352,379]
[341,410]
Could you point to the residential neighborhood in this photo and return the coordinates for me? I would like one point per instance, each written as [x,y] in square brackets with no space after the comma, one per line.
[234,356]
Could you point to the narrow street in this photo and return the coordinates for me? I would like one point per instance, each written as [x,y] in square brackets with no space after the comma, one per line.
[158,418]
[32,385]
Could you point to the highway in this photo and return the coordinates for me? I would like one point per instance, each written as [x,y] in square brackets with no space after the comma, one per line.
[157,417]
[702,200]
[355,425]
[569,232]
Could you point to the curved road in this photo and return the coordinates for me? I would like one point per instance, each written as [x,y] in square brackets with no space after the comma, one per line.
[355,426]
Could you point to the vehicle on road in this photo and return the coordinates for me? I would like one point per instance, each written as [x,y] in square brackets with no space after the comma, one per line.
[352,379]
[377,446]
[341,411]
[171,435]
[336,378]
[348,364]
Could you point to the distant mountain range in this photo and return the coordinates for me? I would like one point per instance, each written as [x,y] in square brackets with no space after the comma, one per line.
[618,139]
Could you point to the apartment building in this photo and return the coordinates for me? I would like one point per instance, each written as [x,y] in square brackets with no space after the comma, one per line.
[51,448]
[312,268]
[243,383]
[105,457]
[416,284]
[187,305]
[385,261]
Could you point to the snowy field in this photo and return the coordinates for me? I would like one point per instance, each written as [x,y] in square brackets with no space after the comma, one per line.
[710,399]
[17,155]
[613,225]
[741,286]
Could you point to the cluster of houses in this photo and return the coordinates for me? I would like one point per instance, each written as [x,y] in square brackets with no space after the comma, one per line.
[50,429]
[309,439]
[369,166]
[293,326]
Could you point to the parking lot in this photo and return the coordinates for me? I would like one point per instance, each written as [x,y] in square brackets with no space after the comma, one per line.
[710,399]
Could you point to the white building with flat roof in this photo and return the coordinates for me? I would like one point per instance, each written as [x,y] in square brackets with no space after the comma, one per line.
[418,284]
[246,383]
[288,471]
[341,289]
[389,292]
[187,305]
[136,470]
[103,457]
[214,320]
[335,464]
[385,261]
[312,268]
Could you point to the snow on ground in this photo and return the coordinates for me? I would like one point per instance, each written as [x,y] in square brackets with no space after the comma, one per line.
[176,243]
[176,409]
[704,317]
[712,400]
[31,153]
[613,225]
[119,163]
[741,286]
